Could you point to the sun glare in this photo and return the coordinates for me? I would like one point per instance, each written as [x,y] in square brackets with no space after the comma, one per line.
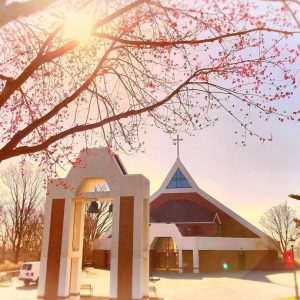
[78,26]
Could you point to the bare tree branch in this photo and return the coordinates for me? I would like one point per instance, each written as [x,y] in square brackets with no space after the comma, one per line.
[145,63]
[15,10]
[25,192]
[279,222]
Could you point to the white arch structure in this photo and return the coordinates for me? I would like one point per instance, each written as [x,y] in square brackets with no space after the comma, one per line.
[61,257]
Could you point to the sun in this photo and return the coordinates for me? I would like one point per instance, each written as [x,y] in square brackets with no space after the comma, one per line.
[78,26]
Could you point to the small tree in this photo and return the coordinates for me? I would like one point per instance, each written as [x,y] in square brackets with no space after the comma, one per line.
[33,236]
[3,233]
[279,222]
[95,224]
[25,192]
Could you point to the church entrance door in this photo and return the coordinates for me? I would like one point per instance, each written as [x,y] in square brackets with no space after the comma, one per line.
[165,255]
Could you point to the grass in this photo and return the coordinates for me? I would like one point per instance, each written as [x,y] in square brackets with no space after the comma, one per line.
[8,266]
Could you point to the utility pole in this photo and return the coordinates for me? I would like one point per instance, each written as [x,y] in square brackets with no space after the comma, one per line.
[295,274]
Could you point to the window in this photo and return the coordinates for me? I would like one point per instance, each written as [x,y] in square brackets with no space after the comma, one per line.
[165,244]
[178,181]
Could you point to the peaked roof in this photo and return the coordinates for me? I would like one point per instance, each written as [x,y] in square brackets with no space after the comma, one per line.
[167,188]
[195,189]
[190,212]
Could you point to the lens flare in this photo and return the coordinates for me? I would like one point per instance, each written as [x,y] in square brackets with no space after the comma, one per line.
[78,26]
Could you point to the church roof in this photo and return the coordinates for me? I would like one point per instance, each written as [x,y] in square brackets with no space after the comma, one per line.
[189,212]
[179,181]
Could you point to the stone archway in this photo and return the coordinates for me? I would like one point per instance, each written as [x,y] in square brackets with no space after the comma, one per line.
[61,256]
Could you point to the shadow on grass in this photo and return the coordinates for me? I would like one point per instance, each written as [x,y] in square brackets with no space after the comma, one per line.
[247,275]
[107,298]
[5,284]
[27,288]
[173,275]
[259,276]
[262,277]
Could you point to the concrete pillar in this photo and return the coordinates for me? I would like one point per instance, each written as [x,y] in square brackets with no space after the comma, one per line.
[51,249]
[75,278]
[114,248]
[130,248]
[65,258]
[146,248]
[76,250]
[140,286]
[196,260]
[180,260]
[126,250]
[44,250]
[66,244]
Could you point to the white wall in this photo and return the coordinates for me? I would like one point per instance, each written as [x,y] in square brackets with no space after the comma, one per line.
[196,243]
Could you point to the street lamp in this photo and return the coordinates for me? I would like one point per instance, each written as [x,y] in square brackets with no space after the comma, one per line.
[294,267]
[297,222]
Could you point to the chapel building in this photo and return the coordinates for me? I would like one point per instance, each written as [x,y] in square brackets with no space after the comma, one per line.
[190,231]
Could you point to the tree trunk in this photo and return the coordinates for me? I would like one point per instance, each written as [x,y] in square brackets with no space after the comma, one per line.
[16,258]
[17,252]
[3,254]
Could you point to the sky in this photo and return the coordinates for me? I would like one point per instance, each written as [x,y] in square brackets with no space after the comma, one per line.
[249,180]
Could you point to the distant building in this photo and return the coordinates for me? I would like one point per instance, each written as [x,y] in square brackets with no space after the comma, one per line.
[190,231]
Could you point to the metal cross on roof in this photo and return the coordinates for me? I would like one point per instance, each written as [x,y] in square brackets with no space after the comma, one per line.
[177,140]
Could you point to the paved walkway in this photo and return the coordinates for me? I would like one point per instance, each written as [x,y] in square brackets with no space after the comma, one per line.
[230,286]
[174,286]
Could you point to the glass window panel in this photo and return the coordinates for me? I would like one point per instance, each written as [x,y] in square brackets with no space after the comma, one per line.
[178,181]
